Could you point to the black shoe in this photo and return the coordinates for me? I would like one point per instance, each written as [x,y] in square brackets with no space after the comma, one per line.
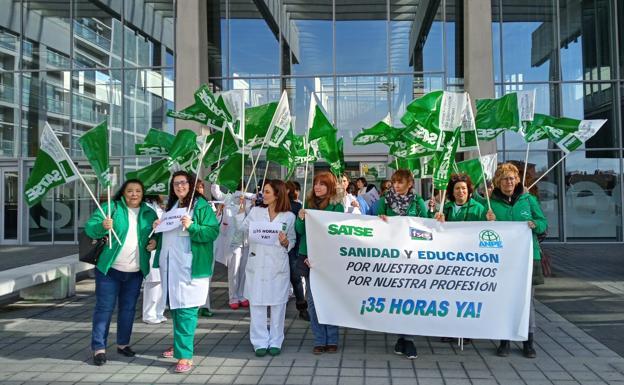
[99,359]
[527,348]
[126,351]
[503,349]
[303,314]
[410,350]
[399,347]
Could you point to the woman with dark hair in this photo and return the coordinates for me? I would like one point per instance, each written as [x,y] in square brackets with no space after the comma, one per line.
[401,200]
[461,206]
[510,202]
[121,268]
[185,257]
[296,281]
[323,196]
[267,274]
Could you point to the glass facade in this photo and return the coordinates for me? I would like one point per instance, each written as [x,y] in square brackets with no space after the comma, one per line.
[75,64]
[567,51]
[365,60]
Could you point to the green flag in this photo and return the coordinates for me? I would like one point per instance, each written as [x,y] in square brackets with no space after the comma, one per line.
[567,140]
[337,168]
[319,124]
[444,161]
[94,144]
[429,116]
[475,168]
[257,122]
[156,143]
[155,177]
[229,174]
[183,146]
[281,125]
[381,132]
[218,150]
[401,149]
[494,116]
[52,168]
[207,110]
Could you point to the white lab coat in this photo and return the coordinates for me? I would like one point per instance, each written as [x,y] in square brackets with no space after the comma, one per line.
[175,271]
[154,274]
[267,274]
[228,240]
[346,203]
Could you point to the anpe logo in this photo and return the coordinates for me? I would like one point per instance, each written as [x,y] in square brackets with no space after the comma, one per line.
[358,231]
[490,238]
[420,235]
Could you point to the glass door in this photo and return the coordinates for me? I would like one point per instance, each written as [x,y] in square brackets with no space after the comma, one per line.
[8,202]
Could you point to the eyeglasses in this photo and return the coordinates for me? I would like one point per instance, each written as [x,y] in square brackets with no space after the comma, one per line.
[180,183]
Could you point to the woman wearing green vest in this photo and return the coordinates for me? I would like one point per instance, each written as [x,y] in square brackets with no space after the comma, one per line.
[323,196]
[185,258]
[461,207]
[401,200]
[510,202]
[120,269]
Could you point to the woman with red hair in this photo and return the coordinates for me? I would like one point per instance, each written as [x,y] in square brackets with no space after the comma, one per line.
[323,196]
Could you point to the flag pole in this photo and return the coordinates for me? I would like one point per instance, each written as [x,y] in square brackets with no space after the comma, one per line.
[526,161]
[442,201]
[204,149]
[221,149]
[547,171]
[305,176]
[75,169]
[474,126]
[266,170]
[110,233]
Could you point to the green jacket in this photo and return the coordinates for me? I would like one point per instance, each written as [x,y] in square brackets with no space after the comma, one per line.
[470,211]
[203,232]
[416,209]
[119,214]
[300,226]
[522,207]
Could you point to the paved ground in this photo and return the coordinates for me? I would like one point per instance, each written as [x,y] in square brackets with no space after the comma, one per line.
[43,343]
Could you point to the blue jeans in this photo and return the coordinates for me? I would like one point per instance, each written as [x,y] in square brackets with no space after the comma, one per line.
[115,285]
[323,334]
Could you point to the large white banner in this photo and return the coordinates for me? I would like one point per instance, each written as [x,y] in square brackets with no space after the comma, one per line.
[417,276]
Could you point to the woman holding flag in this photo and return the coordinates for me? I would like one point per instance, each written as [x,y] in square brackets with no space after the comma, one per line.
[510,202]
[120,269]
[185,257]
[267,274]
[401,200]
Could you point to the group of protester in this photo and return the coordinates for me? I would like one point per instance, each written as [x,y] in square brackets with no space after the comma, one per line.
[177,265]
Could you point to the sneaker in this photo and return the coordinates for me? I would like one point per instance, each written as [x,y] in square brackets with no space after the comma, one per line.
[410,350]
[261,352]
[234,306]
[399,347]
[275,351]
[99,359]
[152,322]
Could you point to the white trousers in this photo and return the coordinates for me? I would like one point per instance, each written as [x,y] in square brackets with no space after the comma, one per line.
[207,304]
[236,274]
[259,334]
[153,302]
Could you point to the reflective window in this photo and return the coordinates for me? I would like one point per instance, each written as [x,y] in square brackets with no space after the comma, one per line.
[148,33]
[97,97]
[299,91]
[10,27]
[254,41]
[45,98]
[361,102]
[40,218]
[217,38]
[416,36]
[454,43]
[97,34]
[586,32]
[361,36]
[47,37]
[592,101]
[307,39]
[528,39]
[593,199]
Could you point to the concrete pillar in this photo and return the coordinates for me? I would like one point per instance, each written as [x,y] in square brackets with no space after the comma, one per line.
[478,55]
[191,65]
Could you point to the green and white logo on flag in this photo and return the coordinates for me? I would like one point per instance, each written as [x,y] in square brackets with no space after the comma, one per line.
[280,124]
[52,168]
[570,141]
